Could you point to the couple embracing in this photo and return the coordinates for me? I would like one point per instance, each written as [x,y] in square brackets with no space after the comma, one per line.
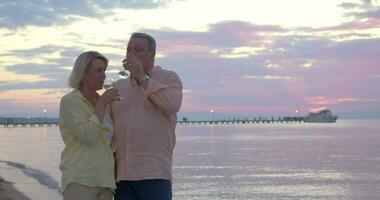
[140,111]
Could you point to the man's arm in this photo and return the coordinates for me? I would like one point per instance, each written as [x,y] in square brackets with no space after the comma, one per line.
[167,96]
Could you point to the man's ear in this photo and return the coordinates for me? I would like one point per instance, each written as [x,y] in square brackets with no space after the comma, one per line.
[152,54]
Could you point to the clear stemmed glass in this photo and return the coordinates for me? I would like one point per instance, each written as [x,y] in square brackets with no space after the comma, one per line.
[124,73]
[110,83]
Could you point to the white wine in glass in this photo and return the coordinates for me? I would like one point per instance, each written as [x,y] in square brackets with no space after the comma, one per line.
[109,83]
[124,73]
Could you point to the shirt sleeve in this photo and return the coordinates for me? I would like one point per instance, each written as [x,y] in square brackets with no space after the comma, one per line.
[167,96]
[76,120]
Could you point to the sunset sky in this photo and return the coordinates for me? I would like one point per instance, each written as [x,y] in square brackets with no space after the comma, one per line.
[242,58]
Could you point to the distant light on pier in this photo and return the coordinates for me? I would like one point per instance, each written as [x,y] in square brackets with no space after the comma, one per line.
[45,115]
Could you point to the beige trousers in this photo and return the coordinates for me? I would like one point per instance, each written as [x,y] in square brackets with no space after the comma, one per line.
[76,191]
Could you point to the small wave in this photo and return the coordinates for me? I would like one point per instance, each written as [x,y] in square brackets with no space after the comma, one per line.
[42,177]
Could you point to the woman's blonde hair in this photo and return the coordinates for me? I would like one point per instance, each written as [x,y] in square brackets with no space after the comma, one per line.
[82,65]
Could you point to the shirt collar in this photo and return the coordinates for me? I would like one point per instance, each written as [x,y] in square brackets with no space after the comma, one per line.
[78,94]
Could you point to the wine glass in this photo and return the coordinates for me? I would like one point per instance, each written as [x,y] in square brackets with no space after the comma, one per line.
[110,83]
[124,73]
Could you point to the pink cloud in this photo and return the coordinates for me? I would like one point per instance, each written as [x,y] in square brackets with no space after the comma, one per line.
[354,25]
[223,36]
[331,101]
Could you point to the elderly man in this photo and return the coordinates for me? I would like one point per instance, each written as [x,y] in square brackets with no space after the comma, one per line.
[144,124]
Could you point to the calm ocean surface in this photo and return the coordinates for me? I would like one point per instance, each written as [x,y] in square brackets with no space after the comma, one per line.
[255,161]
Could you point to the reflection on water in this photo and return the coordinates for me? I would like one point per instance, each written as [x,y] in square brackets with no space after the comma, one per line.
[281,161]
[284,161]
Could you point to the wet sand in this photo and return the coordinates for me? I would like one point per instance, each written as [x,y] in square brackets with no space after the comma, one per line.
[8,192]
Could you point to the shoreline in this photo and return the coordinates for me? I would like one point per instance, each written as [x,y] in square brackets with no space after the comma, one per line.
[8,192]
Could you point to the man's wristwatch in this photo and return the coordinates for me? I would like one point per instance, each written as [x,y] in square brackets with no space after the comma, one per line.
[143,79]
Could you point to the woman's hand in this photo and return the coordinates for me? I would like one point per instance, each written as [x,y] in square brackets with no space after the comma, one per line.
[109,96]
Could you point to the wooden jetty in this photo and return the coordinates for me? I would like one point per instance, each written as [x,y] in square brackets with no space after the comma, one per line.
[271,120]
[28,122]
[41,122]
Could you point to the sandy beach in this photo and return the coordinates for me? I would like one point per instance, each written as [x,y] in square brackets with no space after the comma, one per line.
[8,192]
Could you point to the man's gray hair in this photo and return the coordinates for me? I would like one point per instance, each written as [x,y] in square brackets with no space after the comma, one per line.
[82,65]
[151,41]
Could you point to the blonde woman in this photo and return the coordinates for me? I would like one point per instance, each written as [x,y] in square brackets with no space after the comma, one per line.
[87,162]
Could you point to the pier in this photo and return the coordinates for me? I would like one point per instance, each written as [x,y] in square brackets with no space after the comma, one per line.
[271,120]
[49,122]
[28,122]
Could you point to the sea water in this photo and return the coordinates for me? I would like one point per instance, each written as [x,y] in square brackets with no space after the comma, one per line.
[290,161]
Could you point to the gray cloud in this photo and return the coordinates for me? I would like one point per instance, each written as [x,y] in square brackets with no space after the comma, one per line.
[322,48]
[45,49]
[71,53]
[52,70]
[34,51]
[57,84]
[227,34]
[364,10]
[367,1]
[373,13]
[339,68]
[349,6]
[287,51]
[20,13]
[360,16]
[45,70]
[57,76]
